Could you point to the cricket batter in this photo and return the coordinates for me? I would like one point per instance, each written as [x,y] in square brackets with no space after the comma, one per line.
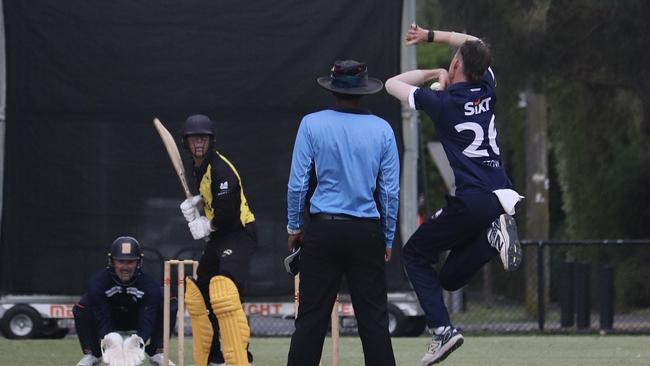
[121,298]
[228,226]
[476,224]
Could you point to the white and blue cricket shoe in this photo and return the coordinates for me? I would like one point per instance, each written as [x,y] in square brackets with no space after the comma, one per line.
[442,345]
[502,235]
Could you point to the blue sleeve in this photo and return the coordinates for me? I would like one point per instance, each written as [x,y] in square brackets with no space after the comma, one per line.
[301,166]
[388,184]
[429,101]
[490,78]
[148,309]
[98,303]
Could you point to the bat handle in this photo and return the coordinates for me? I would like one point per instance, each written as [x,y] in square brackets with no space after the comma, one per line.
[188,194]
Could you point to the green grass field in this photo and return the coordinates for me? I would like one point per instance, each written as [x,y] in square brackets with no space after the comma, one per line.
[477,350]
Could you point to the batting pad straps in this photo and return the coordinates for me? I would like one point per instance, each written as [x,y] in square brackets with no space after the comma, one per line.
[233,325]
[202,332]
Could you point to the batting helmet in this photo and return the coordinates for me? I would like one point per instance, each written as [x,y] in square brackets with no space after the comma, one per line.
[125,248]
[198,124]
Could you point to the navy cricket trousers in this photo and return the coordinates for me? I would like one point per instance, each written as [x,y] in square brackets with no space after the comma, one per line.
[461,227]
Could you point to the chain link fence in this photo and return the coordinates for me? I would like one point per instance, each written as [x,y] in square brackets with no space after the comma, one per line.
[584,286]
[561,287]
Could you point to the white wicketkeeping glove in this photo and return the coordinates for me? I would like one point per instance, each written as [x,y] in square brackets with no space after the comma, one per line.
[200,228]
[133,350]
[112,353]
[189,209]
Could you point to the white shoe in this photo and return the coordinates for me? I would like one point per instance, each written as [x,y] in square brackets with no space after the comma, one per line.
[441,346]
[89,360]
[157,360]
[502,235]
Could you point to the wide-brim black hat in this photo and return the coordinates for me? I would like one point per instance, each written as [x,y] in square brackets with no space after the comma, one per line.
[350,77]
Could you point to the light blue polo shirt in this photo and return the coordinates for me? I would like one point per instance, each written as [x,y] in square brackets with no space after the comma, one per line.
[355,157]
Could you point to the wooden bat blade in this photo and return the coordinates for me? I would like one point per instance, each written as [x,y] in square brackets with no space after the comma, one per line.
[174,154]
[296,294]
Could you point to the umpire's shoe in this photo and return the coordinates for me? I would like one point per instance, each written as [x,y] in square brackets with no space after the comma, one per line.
[502,235]
[442,345]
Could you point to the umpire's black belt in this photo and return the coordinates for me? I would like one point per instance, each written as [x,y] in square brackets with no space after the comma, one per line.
[339,217]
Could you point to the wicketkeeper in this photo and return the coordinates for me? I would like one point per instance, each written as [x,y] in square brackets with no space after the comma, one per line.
[121,298]
[219,215]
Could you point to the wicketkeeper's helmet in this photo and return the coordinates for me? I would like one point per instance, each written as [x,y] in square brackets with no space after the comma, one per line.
[125,248]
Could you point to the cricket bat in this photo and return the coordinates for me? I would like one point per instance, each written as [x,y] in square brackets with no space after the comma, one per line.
[174,154]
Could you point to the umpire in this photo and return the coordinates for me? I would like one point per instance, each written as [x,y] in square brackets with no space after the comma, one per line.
[353,212]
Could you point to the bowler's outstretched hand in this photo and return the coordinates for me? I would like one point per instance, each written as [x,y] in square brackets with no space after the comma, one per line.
[416,34]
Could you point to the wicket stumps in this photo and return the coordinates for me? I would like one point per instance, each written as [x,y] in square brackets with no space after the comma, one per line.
[180,322]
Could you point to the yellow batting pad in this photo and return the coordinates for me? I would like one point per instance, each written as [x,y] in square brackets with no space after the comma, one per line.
[201,327]
[233,325]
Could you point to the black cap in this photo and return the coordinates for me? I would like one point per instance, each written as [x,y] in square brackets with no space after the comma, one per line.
[350,77]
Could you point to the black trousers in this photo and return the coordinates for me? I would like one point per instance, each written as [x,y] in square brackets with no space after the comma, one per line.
[461,228]
[333,249]
[228,255]
[86,327]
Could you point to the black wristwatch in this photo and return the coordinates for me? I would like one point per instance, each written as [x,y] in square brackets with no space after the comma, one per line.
[430,36]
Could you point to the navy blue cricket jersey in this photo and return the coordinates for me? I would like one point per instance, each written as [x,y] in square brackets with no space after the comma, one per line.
[123,307]
[464,119]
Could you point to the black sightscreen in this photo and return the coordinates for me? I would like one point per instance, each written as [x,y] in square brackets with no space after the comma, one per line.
[84,163]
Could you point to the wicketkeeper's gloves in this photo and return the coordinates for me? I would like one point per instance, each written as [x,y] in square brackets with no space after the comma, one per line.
[133,350]
[111,346]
